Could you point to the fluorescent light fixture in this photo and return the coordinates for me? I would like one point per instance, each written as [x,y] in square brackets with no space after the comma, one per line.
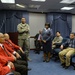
[67,8]
[39,0]
[8,1]
[67,1]
[34,6]
[19,5]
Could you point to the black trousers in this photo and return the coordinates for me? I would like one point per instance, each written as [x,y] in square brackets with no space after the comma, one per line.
[16,73]
[23,58]
[22,55]
[20,67]
[38,45]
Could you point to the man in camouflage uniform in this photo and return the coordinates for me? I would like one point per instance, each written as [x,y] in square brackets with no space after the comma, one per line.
[24,36]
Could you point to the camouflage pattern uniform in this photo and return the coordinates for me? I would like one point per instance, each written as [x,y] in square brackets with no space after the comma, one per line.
[24,36]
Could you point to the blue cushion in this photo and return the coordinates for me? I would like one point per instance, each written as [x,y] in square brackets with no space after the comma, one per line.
[73,58]
[64,40]
[57,50]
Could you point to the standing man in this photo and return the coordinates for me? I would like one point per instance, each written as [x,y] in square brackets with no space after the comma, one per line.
[38,42]
[24,36]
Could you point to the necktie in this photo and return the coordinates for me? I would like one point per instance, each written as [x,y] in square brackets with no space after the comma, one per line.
[39,38]
[5,50]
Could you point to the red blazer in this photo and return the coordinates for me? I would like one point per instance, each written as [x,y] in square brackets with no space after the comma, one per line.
[4,54]
[4,70]
[3,60]
[12,45]
[8,48]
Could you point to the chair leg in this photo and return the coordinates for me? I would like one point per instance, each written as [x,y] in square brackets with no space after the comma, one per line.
[72,63]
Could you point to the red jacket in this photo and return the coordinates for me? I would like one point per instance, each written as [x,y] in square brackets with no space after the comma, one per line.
[3,68]
[4,54]
[12,45]
[3,60]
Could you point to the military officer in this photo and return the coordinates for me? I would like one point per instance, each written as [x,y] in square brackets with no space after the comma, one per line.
[24,36]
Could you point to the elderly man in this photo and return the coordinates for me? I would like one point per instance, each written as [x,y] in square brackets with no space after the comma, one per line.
[19,65]
[14,48]
[24,36]
[68,51]
[7,67]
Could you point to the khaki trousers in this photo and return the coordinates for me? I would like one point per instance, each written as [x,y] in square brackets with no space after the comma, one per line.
[68,52]
[26,44]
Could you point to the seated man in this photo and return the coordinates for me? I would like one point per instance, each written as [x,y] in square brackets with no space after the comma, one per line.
[38,42]
[19,65]
[68,52]
[7,67]
[58,39]
[14,48]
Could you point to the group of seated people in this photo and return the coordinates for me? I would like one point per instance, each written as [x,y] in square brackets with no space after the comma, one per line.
[67,48]
[64,53]
[12,57]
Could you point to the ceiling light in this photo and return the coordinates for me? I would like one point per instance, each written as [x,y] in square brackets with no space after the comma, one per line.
[19,5]
[8,1]
[34,6]
[67,1]
[67,8]
[39,0]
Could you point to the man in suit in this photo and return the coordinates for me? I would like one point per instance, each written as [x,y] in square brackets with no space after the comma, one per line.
[24,36]
[38,42]
[68,52]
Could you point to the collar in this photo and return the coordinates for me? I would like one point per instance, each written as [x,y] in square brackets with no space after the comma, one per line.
[47,29]
[1,45]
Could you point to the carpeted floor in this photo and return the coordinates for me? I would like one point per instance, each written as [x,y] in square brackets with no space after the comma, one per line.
[42,68]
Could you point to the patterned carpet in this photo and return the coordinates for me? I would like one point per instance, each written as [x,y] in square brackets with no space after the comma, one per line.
[42,68]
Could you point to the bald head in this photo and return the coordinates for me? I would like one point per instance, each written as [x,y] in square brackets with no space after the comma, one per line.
[40,31]
[2,38]
[23,20]
[1,34]
[6,36]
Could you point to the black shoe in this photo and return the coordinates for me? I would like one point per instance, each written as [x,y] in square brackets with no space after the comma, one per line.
[47,60]
[63,65]
[44,60]
[66,67]
[38,52]
[29,69]
[51,56]
[35,52]
[55,59]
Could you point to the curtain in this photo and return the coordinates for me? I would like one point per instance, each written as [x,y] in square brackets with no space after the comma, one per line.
[10,19]
[60,22]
